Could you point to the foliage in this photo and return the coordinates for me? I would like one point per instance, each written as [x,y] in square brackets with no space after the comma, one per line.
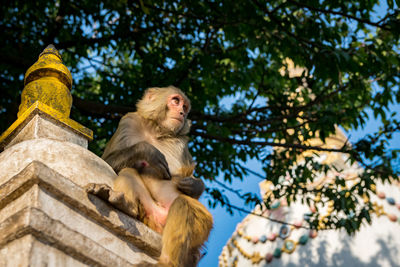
[215,50]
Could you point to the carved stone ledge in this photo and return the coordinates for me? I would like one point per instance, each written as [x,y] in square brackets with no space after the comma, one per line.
[70,160]
[42,121]
[42,206]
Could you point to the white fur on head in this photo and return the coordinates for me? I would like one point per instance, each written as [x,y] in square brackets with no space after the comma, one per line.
[153,105]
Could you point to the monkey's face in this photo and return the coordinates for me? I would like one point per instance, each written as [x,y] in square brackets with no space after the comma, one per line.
[177,110]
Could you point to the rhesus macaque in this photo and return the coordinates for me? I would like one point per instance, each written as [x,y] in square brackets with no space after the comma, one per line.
[155,174]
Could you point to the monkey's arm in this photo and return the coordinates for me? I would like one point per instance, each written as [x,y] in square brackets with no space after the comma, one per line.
[129,148]
[140,156]
[191,186]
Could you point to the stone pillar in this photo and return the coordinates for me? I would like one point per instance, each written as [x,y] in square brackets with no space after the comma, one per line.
[46,217]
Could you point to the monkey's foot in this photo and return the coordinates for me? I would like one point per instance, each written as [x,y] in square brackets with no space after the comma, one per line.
[116,199]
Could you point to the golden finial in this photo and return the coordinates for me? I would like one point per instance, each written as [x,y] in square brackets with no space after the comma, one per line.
[46,94]
[49,82]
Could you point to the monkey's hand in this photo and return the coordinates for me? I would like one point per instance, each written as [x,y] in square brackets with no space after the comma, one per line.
[191,186]
[116,199]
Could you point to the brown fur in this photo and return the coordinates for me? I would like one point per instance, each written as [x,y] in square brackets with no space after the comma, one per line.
[176,244]
[184,222]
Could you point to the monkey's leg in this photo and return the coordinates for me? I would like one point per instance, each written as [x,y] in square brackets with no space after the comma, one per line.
[130,182]
[188,225]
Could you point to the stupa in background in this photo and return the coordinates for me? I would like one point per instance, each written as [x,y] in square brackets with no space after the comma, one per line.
[46,217]
[285,240]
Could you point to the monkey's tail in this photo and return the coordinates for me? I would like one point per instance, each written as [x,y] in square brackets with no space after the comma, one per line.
[187,228]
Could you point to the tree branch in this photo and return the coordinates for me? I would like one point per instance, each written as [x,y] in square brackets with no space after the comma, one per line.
[94,108]
[261,216]
[328,11]
[274,144]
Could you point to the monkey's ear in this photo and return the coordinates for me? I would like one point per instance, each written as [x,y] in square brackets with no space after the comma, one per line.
[150,94]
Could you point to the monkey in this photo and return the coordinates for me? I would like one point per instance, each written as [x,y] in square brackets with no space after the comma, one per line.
[155,181]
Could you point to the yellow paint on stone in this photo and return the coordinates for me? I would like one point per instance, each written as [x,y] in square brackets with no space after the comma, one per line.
[40,108]
[47,91]
[48,81]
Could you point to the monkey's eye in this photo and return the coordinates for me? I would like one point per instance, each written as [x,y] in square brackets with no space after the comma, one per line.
[185,108]
[175,100]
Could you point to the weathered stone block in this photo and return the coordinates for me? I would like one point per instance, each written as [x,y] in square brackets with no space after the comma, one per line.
[51,124]
[65,225]
[46,127]
[70,160]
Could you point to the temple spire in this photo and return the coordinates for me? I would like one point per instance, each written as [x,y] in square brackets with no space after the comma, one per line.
[49,81]
[46,97]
